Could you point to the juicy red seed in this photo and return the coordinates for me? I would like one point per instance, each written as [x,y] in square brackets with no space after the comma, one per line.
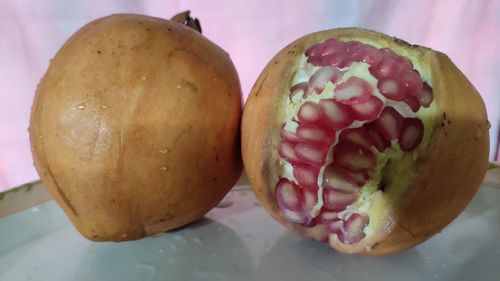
[334,226]
[378,141]
[350,238]
[337,201]
[306,175]
[327,216]
[388,67]
[336,77]
[288,136]
[294,216]
[287,151]
[404,61]
[288,195]
[319,79]
[357,136]
[411,81]
[314,135]
[368,110]
[366,53]
[298,89]
[356,222]
[389,123]
[314,155]
[310,199]
[425,96]
[387,53]
[337,179]
[352,229]
[359,178]
[351,46]
[391,88]
[412,102]
[340,60]
[353,157]
[338,116]
[329,46]
[411,134]
[354,91]
[310,113]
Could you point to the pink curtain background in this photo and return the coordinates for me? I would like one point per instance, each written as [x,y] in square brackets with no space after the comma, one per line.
[251,31]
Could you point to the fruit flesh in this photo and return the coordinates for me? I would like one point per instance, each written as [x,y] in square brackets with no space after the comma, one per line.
[365,108]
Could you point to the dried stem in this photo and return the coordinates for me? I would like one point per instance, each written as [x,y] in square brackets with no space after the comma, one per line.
[185,19]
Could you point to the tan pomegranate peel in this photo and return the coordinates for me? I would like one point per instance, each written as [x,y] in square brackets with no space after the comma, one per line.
[345,135]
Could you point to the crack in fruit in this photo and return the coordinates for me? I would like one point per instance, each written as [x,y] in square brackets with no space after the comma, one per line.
[342,132]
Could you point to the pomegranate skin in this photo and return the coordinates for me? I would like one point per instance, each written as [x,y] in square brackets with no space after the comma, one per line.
[449,172]
[135,127]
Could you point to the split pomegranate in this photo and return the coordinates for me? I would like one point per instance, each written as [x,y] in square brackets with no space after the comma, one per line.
[364,142]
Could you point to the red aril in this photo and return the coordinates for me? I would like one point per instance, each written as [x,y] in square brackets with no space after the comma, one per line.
[306,175]
[338,116]
[391,88]
[410,134]
[368,110]
[314,135]
[310,113]
[359,136]
[311,154]
[389,124]
[374,149]
[353,157]
[353,91]
[318,80]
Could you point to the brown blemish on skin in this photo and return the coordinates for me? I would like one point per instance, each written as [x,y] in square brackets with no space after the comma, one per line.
[407,230]
[260,86]
[444,123]
[479,132]
[61,192]
[190,85]
[174,51]
[95,140]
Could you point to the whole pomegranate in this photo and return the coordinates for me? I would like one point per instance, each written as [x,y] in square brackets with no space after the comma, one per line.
[135,126]
[363,141]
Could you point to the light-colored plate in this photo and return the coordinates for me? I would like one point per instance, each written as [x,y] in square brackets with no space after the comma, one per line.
[239,241]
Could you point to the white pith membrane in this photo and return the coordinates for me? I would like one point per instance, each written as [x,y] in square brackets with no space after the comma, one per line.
[345,190]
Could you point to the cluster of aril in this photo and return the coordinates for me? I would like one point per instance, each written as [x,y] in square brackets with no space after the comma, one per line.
[356,123]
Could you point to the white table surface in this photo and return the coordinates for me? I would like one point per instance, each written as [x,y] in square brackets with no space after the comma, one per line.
[239,241]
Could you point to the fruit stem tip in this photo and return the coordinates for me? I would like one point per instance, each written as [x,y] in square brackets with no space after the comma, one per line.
[185,19]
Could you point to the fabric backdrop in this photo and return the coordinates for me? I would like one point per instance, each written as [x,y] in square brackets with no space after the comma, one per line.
[31,32]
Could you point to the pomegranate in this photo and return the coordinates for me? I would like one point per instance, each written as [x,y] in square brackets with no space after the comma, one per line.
[363,141]
[135,126]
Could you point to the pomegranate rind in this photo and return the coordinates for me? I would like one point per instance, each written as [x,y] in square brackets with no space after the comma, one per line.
[449,171]
[135,127]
